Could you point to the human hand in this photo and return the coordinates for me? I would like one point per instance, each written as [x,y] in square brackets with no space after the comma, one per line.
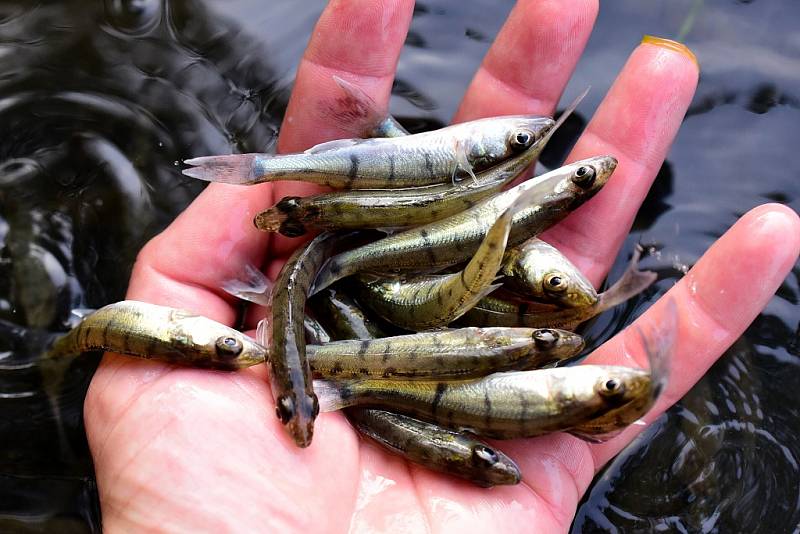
[182,449]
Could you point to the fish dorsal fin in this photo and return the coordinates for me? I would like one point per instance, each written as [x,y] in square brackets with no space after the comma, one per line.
[335,144]
[81,313]
[77,315]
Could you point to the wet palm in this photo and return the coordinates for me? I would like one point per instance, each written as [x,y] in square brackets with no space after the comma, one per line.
[184,449]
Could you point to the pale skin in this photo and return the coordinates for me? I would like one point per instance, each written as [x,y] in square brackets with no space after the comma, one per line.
[181,449]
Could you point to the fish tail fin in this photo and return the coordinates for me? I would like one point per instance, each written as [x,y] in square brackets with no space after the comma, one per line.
[230,169]
[333,395]
[631,283]
[253,286]
[284,217]
[658,341]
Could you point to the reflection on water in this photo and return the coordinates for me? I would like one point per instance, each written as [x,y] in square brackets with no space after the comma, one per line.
[100,99]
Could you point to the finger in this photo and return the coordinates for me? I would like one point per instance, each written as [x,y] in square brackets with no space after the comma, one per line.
[531,60]
[716,301]
[360,41]
[636,123]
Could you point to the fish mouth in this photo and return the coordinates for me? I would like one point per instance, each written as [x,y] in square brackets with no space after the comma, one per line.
[586,296]
[301,434]
[606,166]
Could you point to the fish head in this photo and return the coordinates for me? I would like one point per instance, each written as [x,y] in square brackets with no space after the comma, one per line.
[492,141]
[568,288]
[629,395]
[202,342]
[297,414]
[550,277]
[491,467]
[621,387]
[580,180]
[556,343]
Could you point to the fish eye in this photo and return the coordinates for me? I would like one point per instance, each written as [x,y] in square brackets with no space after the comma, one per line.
[584,176]
[288,204]
[284,409]
[483,455]
[228,347]
[544,338]
[555,282]
[612,388]
[522,139]
[312,405]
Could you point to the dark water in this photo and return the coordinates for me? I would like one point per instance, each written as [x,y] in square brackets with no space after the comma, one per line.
[98,100]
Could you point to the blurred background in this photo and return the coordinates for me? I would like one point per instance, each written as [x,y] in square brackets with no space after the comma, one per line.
[100,100]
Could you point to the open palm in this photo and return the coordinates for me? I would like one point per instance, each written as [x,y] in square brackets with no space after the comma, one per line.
[182,449]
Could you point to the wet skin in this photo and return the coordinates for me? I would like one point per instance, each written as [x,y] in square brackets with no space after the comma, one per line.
[160,436]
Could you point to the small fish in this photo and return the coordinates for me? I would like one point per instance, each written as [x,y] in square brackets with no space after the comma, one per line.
[290,375]
[494,311]
[537,270]
[421,159]
[452,354]
[380,208]
[160,333]
[508,405]
[432,301]
[435,448]
[456,238]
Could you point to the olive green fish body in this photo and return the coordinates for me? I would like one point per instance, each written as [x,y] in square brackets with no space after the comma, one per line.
[408,161]
[457,238]
[503,405]
[436,448]
[459,353]
[290,375]
[160,333]
[380,209]
[537,270]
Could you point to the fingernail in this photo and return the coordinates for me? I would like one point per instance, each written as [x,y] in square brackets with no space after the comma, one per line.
[669,44]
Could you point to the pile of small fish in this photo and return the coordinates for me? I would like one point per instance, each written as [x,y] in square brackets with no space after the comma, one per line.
[438,333]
